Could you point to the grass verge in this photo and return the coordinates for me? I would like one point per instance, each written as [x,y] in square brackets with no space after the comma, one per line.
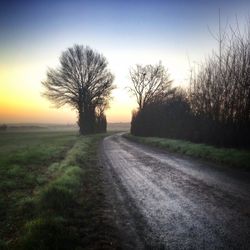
[24,161]
[229,157]
[61,206]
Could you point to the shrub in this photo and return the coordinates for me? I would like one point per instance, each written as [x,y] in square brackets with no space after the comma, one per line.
[55,199]
[28,207]
[46,234]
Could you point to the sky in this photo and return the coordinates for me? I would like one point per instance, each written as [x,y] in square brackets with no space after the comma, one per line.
[33,34]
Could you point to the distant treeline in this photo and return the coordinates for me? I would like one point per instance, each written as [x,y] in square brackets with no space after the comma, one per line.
[3,127]
[215,109]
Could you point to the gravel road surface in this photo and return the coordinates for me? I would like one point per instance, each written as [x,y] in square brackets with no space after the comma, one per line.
[161,200]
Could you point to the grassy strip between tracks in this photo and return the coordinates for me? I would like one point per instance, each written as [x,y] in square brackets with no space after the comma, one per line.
[229,157]
[51,193]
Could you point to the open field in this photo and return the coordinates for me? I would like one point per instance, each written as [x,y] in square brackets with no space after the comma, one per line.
[230,157]
[50,191]
[119,126]
[43,127]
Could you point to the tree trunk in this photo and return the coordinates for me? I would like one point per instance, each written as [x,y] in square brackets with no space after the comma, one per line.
[81,122]
[88,117]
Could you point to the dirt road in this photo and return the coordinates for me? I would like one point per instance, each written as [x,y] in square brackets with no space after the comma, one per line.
[165,201]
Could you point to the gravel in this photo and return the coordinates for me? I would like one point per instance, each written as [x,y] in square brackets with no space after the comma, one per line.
[161,200]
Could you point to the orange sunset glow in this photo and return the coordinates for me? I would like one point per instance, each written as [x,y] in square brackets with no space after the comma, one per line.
[35,38]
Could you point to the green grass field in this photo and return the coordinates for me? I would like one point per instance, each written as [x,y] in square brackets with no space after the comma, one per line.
[228,157]
[50,191]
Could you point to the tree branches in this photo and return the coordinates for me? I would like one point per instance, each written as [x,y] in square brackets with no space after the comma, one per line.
[150,84]
[221,89]
[82,81]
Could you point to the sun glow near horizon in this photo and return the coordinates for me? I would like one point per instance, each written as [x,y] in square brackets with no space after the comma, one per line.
[21,99]
[33,35]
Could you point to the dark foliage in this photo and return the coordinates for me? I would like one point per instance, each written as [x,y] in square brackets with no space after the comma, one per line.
[166,119]
[101,123]
[216,109]
[3,127]
[175,119]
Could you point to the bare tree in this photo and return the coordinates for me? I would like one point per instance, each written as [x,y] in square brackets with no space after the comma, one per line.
[219,92]
[82,81]
[221,88]
[151,84]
